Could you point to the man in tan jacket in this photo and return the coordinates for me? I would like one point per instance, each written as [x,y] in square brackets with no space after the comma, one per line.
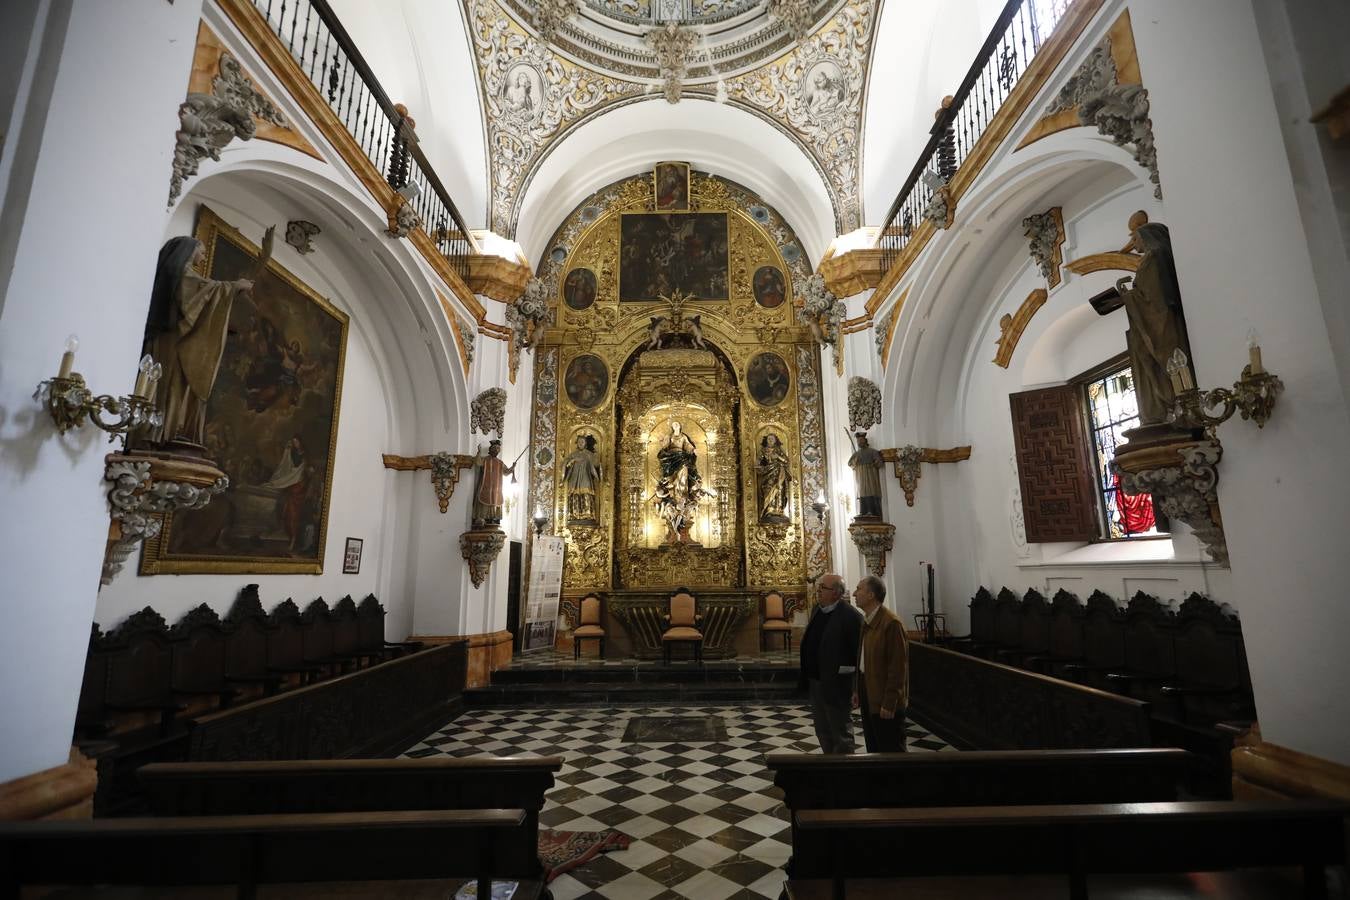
[883,668]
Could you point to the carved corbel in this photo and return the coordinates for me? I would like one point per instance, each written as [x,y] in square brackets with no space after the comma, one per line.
[864,403]
[487,412]
[1182,475]
[906,462]
[874,540]
[480,548]
[145,486]
[403,219]
[1045,232]
[445,469]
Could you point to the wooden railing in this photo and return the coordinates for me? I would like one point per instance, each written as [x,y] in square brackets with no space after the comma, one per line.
[326,54]
[1023,27]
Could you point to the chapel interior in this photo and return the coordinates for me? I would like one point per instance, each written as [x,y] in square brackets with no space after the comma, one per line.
[428,427]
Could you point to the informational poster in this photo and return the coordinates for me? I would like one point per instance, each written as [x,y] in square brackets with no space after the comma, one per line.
[545,593]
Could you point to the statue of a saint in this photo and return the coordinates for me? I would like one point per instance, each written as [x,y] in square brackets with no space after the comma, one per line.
[1153,309]
[487,495]
[581,471]
[679,487]
[185,331]
[774,476]
[866,463]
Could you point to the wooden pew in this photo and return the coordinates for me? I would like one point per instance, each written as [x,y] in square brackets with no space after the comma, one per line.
[977,778]
[1077,840]
[249,851]
[362,785]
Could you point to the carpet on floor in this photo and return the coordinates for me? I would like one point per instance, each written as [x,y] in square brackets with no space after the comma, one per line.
[563,851]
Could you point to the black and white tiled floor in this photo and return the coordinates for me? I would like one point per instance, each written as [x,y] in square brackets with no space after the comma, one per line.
[707,822]
[551,659]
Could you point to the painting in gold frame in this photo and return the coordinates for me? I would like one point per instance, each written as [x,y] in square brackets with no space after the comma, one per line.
[662,254]
[671,187]
[271,426]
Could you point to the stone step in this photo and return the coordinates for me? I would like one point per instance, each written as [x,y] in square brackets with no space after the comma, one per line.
[648,673]
[568,693]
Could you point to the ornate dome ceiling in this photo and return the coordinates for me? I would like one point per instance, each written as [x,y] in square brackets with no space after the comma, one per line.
[726,37]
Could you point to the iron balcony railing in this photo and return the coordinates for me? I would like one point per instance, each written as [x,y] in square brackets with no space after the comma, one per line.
[1022,28]
[327,55]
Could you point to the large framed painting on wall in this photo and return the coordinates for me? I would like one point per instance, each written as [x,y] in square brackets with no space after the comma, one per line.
[664,253]
[271,426]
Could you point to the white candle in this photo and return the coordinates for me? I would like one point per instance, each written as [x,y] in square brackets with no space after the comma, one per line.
[1175,375]
[1254,352]
[68,358]
[1187,383]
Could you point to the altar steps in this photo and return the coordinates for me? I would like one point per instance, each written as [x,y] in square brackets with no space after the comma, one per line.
[634,683]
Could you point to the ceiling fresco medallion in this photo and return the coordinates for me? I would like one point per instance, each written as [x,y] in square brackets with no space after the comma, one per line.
[805,80]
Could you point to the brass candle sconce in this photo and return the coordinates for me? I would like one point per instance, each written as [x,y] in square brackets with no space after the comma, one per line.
[70,402]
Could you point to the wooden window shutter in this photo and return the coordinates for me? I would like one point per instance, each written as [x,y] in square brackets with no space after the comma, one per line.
[1053,466]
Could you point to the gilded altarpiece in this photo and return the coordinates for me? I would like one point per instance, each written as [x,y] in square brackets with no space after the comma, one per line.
[630,381]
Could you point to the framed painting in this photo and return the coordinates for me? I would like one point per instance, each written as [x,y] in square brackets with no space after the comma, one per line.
[579,289]
[767,378]
[670,181]
[661,254]
[351,556]
[271,426]
[586,381]
[770,290]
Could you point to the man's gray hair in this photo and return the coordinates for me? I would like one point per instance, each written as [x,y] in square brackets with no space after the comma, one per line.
[876,586]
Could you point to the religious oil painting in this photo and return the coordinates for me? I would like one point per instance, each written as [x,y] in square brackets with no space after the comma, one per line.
[767,378]
[672,186]
[587,381]
[770,289]
[271,425]
[662,254]
[579,288]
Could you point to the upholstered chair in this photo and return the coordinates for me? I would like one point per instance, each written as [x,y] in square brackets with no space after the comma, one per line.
[589,627]
[773,620]
[683,624]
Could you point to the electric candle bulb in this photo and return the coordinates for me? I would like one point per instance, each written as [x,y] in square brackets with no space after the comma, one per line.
[68,357]
[143,375]
[1254,352]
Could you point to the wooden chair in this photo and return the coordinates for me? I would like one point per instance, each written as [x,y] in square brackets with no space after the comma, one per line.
[682,624]
[589,628]
[773,620]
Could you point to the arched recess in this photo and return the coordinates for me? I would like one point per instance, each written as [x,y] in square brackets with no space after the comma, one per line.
[719,138]
[403,388]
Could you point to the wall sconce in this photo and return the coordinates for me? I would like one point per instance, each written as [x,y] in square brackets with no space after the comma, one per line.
[70,402]
[540,520]
[1252,395]
[820,506]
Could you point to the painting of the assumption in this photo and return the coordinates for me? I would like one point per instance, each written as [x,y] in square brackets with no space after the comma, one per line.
[661,254]
[271,425]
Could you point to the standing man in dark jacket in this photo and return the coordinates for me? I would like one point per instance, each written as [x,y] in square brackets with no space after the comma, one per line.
[883,683]
[829,663]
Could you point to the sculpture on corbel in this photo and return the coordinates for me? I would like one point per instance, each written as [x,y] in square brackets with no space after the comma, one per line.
[145,488]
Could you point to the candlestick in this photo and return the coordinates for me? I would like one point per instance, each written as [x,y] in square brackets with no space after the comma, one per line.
[68,358]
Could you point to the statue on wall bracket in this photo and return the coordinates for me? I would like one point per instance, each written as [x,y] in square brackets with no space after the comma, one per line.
[866,463]
[583,474]
[488,495]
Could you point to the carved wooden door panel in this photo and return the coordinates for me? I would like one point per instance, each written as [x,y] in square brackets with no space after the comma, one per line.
[1053,468]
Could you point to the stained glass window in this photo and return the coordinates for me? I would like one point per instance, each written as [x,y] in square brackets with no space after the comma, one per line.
[1113,408]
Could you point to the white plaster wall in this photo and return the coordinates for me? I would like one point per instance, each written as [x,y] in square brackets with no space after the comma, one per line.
[1243,261]
[81,250]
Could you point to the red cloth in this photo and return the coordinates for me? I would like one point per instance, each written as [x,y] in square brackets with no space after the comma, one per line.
[1136,513]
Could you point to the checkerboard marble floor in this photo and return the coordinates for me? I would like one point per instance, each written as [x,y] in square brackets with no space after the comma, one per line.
[707,822]
[552,659]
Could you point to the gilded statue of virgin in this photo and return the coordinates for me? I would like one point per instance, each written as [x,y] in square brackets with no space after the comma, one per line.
[773,476]
[679,487]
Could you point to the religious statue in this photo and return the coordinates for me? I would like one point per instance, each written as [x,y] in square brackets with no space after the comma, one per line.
[866,463]
[186,330]
[773,476]
[679,487]
[1157,327]
[582,473]
[487,495]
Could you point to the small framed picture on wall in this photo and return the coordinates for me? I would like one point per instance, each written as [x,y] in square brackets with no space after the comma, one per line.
[351,558]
